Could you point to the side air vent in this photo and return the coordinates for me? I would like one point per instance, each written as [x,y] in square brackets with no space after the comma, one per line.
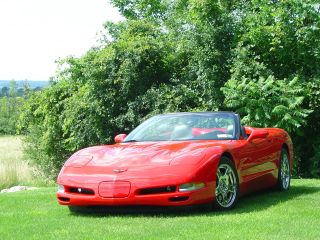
[157,190]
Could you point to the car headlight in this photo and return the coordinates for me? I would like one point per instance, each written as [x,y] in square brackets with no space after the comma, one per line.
[78,161]
[191,186]
[60,188]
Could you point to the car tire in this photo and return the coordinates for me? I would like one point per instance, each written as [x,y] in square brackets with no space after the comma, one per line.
[227,185]
[284,176]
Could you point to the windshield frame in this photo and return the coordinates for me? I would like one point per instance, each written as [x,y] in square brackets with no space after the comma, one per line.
[233,115]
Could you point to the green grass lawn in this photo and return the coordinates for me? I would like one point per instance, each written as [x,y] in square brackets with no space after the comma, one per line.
[268,215]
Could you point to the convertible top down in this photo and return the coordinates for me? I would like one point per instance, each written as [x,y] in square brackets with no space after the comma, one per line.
[179,159]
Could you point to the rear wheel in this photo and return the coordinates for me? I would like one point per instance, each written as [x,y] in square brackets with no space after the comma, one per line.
[227,185]
[284,175]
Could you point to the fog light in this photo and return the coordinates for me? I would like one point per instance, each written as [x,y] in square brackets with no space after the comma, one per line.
[60,188]
[191,186]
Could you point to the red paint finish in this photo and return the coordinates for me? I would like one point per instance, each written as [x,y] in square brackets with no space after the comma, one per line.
[150,173]
[114,189]
[119,138]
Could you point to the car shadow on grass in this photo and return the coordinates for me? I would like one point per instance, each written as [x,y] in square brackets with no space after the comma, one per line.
[263,200]
[257,201]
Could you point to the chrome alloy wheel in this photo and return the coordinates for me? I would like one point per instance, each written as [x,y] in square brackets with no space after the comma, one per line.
[285,171]
[226,190]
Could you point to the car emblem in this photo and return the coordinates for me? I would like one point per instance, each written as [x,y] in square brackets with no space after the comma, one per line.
[119,170]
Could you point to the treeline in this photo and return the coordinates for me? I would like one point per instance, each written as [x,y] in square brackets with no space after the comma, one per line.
[259,58]
[12,99]
[20,92]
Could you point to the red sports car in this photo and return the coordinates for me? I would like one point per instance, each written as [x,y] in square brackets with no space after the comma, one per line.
[179,159]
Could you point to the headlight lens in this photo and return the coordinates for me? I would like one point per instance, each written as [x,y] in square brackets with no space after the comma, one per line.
[60,188]
[191,186]
[78,161]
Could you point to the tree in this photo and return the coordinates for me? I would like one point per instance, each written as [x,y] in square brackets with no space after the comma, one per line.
[10,105]
[279,43]
[5,91]
[13,89]
[26,89]
[256,57]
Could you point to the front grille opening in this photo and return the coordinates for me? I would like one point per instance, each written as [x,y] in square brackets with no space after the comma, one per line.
[64,199]
[157,190]
[81,191]
[178,199]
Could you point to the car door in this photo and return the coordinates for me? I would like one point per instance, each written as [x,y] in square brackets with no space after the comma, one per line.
[256,158]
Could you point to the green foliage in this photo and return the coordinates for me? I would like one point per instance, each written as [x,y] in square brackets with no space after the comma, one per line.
[88,104]
[274,72]
[9,114]
[285,35]
[132,9]
[259,58]
[268,102]
[11,100]
[14,88]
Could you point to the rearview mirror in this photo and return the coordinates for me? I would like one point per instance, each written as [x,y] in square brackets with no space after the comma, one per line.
[258,133]
[120,137]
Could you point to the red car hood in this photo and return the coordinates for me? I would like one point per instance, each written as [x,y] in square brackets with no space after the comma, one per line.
[144,154]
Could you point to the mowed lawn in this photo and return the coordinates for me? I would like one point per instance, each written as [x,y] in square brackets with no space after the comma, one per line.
[267,215]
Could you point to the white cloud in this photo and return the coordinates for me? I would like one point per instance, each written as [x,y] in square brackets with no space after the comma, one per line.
[35,33]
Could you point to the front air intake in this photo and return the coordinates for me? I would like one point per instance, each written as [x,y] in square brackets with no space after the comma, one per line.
[64,199]
[157,190]
[79,190]
[178,199]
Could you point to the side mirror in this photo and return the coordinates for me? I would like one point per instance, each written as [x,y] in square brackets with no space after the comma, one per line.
[120,137]
[258,133]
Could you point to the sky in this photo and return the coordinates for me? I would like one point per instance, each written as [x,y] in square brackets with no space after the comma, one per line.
[35,33]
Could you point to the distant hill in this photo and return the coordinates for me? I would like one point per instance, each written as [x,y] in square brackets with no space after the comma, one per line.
[20,83]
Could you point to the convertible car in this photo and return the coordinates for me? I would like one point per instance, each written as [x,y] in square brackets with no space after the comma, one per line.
[179,159]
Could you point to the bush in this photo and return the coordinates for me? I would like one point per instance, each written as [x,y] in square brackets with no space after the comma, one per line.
[268,102]
[259,58]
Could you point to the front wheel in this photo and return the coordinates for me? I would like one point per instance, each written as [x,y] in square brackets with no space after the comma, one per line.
[284,176]
[227,185]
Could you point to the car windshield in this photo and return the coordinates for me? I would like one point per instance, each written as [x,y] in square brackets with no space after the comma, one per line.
[189,126]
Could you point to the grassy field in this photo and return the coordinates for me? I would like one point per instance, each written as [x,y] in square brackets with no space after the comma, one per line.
[268,215]
[13,169]
[37,215]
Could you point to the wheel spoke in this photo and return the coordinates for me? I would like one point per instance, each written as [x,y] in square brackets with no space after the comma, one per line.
[226,173]
[232,188]
[231,178]
[226,188]
[226,180]
[224,199]
[219,175]
[285,171]
[218,190]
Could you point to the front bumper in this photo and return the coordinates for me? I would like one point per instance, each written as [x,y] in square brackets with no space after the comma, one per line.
[71,179]
[164,199]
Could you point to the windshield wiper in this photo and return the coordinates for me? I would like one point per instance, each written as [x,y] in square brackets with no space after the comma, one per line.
[132,140]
